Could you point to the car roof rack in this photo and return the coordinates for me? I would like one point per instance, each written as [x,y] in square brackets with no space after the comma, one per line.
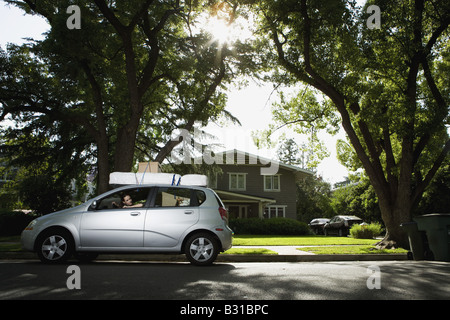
[131,178]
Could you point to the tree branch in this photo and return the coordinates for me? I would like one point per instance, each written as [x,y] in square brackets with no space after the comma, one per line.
[417,193]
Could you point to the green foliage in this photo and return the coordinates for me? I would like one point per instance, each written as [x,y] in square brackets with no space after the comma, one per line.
[306,115]
[115,90]
[314,198]
[274,226]
[436,198]
[288,153]
[389,85]
[368,231]
[358,198]
[43,194]
[13,222]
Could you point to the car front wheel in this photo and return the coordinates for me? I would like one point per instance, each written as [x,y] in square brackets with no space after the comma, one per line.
[55,246]
[201,249]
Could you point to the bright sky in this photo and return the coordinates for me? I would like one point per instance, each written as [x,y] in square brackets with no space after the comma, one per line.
[251,105]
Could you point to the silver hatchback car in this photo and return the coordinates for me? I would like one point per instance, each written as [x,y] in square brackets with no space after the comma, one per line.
[135,219]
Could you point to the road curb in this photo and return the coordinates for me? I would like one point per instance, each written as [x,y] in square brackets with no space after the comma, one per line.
[226,257]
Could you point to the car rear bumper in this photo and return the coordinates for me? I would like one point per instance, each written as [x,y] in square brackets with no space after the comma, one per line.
[225,235]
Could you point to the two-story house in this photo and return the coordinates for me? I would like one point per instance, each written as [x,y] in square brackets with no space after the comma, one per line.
[247,191]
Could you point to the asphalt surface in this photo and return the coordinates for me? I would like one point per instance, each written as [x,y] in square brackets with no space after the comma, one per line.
[258,283]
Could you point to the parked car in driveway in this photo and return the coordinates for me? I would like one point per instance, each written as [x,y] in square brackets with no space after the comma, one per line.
[135,219]
[317,225]
[340,225]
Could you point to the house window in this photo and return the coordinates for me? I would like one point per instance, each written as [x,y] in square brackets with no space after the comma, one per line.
[237,181]
[272,183]
[275,212]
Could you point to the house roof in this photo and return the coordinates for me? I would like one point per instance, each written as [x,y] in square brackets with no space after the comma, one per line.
[227,196]
[242,157]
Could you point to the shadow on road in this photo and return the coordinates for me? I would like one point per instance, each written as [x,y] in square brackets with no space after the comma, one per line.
[224,281]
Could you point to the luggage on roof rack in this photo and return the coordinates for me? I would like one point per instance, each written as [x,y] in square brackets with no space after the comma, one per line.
[125,178]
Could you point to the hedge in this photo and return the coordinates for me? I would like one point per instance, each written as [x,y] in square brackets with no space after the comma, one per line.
[368,231]
[12,223]
[273,226]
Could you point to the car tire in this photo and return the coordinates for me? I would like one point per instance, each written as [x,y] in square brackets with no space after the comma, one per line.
[55,246]
[201,249]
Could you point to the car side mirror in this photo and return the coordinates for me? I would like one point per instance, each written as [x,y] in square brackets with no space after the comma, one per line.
[93,205]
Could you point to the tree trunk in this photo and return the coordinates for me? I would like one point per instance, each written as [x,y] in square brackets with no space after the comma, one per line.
[393,216]
[124,152]
[102,166]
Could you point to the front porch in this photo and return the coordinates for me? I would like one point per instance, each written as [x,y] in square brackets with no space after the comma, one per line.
[244,206]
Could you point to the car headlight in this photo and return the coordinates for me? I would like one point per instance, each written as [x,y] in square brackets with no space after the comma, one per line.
[31,225]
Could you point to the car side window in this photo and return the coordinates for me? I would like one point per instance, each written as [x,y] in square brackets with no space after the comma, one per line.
[173,197]
[199,196]
[129,198]
[179,197]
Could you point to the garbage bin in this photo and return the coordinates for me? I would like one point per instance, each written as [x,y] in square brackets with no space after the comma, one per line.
[416,240]
[437,228]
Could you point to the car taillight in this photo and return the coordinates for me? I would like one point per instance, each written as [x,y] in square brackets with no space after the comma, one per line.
[223,213]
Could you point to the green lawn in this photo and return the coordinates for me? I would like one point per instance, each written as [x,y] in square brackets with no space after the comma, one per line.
[257,240]
[249,251]
[326,245]
[9,247]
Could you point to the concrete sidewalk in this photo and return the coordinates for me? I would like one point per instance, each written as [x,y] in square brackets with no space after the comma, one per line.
[285,254]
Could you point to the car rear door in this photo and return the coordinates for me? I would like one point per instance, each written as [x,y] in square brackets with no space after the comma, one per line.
[173,211]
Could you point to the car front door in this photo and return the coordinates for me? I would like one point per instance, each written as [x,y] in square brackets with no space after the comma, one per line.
[112,225]
[174,210]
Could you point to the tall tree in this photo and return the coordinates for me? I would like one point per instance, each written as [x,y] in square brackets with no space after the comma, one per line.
[306,116]
[131,64]
[389,85]
[288,153]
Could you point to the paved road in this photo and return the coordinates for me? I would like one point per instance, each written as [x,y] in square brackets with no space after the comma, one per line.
[235,281]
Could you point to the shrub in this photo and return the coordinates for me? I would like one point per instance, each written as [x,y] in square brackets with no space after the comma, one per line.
[367,231]
[273,226]
[12,223]
[43,194]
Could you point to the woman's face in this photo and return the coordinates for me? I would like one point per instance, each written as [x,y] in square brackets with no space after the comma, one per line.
[127,201]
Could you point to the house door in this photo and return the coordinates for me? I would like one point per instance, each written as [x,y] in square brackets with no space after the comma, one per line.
[243,210]
[238,211]
[233,211]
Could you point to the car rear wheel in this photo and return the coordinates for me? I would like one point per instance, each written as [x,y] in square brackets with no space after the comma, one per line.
[201,249]
[55,246]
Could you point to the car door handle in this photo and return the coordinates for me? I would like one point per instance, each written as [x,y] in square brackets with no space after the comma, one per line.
[135,214]
[188,212]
